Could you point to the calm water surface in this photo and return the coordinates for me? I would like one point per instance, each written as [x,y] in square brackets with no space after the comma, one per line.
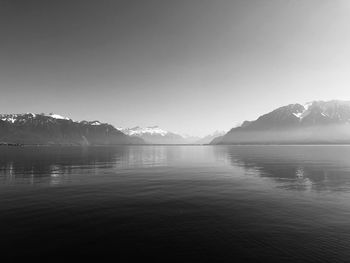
[183,203]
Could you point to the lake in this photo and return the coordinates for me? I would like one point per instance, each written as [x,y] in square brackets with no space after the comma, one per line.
[176,203]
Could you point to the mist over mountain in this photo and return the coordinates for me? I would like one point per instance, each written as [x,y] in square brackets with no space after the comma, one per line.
[315,122]
[53,129]
[210,137]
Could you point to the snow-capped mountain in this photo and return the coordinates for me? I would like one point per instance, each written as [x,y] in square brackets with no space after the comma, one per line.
[312,113]
[154,135]
[138,131]
[313,122]
[22,117]
[30,128]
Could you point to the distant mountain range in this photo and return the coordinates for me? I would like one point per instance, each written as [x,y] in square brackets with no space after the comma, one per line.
[156,135]
[317,122]
[53,129]
[310,123]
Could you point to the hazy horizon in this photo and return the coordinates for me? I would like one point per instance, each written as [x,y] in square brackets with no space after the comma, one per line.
[191,67]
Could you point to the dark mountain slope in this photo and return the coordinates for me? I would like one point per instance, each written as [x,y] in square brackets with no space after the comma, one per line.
[52,129]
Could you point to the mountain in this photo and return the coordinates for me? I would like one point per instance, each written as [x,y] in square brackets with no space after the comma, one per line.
[310,123]
[207,139]
[55,129]
[154,135]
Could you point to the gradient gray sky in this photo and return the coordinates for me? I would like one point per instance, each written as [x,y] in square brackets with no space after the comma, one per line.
[191,66]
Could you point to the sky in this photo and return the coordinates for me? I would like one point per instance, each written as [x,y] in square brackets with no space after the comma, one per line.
[189,66]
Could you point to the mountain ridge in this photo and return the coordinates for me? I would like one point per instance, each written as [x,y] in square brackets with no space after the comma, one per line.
[54,129]
[313,122]
[154,135]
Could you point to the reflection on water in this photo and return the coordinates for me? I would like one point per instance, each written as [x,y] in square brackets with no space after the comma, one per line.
[296,167]
[187,203]
[58,164]
[290,167]
[46,164]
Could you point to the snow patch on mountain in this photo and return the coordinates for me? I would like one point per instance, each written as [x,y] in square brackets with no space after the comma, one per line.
[302,114]
[58,117]
[137,131]
[11,119]
[23,117]
[156,135]
[327,109]
[95,123]
[298,115]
